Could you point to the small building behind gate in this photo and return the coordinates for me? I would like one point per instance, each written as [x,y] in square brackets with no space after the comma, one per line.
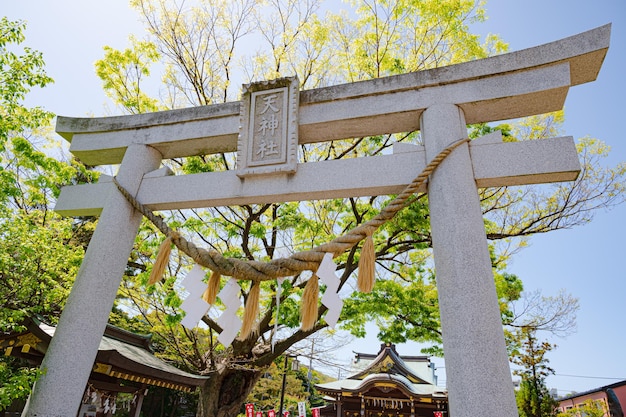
[386,385]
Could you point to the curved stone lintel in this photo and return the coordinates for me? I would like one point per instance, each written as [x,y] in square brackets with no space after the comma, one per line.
[213,129]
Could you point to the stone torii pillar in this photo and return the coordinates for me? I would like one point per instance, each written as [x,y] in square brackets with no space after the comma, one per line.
[439,102]
[69,359]
[468,303]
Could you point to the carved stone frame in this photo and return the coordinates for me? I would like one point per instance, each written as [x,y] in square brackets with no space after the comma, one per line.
[287,160]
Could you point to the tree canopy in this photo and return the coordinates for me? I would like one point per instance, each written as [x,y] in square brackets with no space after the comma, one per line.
[533,397]
[589,408]
[41,251]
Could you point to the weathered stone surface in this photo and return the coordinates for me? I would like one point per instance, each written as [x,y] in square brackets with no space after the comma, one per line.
[473,340]
[494,164]
[73,349]
[383,105]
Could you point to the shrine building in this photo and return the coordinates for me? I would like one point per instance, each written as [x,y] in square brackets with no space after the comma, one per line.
[386,385]
[125,363]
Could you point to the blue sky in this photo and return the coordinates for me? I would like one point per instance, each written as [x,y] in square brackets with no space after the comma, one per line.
[587,261]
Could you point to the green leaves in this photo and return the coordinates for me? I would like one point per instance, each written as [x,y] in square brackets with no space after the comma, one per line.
[40,253]
[402,309]
[15,382]
[123,74]
[407,35]
[533,398]
[38,260]
[19,73]
[29,178]
[588,408]
[38,264]
[199,52]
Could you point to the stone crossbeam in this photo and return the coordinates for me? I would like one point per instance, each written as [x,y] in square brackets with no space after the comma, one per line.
[507,86]
[494,164]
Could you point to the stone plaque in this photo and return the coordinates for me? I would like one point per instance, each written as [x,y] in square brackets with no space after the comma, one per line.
[268,134]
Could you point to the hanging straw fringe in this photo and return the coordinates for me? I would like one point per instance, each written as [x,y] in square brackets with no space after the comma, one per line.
[309,307]
[210,294]
[307,260]
[161,262]
[365,279]
[251,310]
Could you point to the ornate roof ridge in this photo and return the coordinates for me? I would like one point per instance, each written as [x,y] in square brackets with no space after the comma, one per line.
[388,361]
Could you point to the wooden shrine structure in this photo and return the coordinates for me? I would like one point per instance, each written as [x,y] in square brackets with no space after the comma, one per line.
[125,363]
[388,385]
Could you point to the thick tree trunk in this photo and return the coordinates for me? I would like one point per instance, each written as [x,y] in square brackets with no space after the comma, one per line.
[225,392]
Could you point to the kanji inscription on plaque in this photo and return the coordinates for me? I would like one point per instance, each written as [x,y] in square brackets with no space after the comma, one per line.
[268,135]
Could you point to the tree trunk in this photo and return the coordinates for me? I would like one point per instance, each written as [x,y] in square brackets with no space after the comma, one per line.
[225,392]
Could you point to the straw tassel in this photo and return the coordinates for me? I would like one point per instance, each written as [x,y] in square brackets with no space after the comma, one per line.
[309,307]
[213,287]
[161,262]
[365,279]
[251,310]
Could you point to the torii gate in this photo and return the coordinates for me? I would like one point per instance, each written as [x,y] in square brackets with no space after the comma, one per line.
[440,102]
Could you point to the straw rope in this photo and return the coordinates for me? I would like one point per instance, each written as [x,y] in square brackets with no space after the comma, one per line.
[303,261]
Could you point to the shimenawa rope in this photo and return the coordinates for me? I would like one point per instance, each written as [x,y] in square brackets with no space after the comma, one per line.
[303,261]
[308,260]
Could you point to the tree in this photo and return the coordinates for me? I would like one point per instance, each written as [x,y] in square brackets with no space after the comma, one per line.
[534,314]
[555,314]
[534,400]
[267,392]
[527,317]
[128,84]
[533,397]
[39,251]
[199,47]
[589,408]
[16,381]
